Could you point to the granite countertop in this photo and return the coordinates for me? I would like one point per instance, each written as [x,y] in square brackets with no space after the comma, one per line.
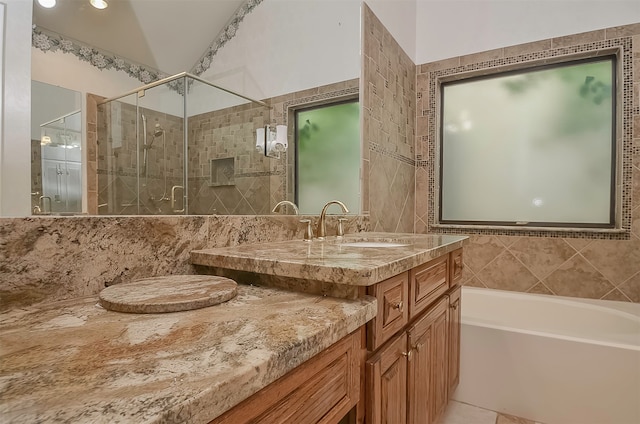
[330,260]
[73,361]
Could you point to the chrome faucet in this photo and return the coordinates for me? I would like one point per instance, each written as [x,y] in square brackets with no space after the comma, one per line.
[286,202]
[322,227]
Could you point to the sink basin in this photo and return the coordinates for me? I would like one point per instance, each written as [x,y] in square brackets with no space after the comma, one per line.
[372,244]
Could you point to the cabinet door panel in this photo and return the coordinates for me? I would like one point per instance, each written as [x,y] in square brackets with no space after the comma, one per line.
[456,267]
[392,295]
[427,283]
[440,361]
[427,370]
[387,383]
[454,339]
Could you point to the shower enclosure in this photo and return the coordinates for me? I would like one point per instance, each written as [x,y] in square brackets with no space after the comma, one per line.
[181,145]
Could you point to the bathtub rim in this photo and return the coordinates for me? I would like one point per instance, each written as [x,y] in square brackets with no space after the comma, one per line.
[627,310]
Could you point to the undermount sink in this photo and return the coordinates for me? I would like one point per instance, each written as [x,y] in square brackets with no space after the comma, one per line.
[372,244]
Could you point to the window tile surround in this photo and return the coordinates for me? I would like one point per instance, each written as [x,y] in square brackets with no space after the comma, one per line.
[601,265]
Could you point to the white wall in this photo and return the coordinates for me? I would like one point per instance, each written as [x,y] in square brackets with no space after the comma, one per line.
[399,17]
[448,28]
[15,144]
[284,46]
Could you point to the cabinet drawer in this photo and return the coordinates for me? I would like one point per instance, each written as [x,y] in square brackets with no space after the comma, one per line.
[393,312]
[428,282]
[322,390]
[456,267]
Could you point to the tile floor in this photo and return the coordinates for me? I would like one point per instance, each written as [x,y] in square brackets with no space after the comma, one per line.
[462,413]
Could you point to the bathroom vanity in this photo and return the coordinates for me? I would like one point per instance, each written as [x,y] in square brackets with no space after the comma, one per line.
[411,364]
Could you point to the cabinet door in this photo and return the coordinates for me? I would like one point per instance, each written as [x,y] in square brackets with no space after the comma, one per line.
[427,366]
[454,339]
[387,382]
[456,267]
[440,360]
[428,282]
[393,313]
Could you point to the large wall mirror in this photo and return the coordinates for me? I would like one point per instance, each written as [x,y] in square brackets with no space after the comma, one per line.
[189,147]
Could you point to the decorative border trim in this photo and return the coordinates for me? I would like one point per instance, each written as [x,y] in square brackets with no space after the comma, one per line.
[46,40]
[50,41]
[227,33]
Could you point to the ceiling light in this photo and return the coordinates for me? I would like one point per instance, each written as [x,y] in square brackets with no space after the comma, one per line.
[47,3]
[98,4]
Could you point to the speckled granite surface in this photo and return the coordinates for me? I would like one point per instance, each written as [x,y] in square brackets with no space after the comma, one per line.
[330,260]
[56,258]
[73,361]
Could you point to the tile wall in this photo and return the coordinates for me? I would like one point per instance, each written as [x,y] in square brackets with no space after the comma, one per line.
[388,108]
[586,265]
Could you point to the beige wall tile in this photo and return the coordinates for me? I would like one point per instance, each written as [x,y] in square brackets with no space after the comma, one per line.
[631,288]
[507,273]
[540,288]
[577,277]
[525,48]
[616,260]
[582,38]
[541,255]
[622,31]
[441,64]
[481,250]
[616,295]
[482,56]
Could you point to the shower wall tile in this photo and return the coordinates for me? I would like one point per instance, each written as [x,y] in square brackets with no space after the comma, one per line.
[388,108]
[582,265]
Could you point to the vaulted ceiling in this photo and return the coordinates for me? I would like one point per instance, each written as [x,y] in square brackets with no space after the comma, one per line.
[167,35]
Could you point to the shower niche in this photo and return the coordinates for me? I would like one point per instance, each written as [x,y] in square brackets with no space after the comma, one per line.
[181,146]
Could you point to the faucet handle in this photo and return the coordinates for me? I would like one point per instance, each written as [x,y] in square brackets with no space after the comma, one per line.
[341,227]
[308,232]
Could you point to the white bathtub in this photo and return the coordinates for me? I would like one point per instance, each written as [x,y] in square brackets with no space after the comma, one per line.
[551,359]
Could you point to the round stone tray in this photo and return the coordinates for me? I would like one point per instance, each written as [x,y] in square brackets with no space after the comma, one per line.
[171,293]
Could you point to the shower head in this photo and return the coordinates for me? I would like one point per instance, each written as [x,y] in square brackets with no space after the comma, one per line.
[157,132]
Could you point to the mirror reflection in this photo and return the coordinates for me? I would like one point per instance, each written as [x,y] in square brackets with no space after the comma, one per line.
[194,150]
[56,140]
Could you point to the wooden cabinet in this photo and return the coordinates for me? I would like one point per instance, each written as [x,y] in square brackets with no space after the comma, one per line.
[410,378]
[454,338]
[386,374]
[322,390]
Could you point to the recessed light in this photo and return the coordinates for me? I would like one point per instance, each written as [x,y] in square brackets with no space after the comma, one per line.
[47,3]
[98,4]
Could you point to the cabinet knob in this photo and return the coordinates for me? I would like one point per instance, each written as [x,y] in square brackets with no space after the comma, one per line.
[399,306]
[407,355]
[454,306]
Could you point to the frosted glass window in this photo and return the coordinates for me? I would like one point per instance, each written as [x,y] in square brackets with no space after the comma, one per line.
[328,157]
[531,148]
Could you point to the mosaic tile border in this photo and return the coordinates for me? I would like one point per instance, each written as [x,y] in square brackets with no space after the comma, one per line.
[317,99]
[570,52]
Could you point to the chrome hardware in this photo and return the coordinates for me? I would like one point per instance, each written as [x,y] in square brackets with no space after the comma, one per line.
[173,199]
[286,202]
[43,209]
[308,232]
[35,193]
[322,227]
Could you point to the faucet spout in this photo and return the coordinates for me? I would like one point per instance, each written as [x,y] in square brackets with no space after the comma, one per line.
[286,202]
[322,227]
